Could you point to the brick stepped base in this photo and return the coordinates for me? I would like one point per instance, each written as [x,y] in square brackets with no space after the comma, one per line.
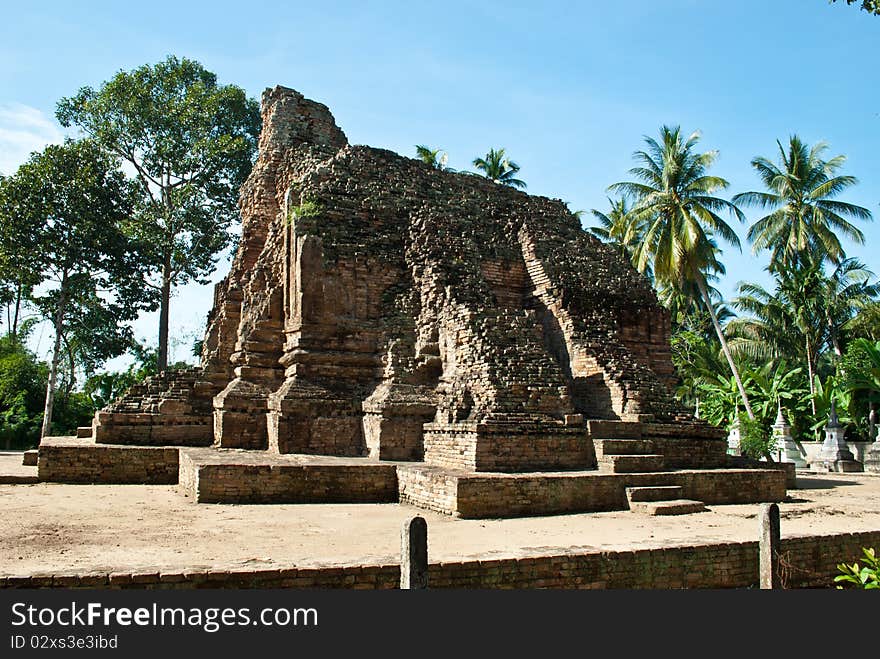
[153,433]
[241,476]
[84,431]
[480,495]
[653,493]
[80,460]
[671,507]
[29,458]
[661,500]
[627,464]
[627,455]
[623,446]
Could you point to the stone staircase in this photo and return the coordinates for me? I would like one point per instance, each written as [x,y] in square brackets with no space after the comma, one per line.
[620,449]
[627,456]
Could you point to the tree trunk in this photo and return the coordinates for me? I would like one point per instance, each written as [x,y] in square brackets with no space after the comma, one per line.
[71,364]
[53,367]
[724,347]
[17,310]
[817,434]
[835,339]
[163,314]
[810,375]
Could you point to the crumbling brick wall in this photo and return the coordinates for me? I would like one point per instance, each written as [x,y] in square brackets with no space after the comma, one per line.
[372,293]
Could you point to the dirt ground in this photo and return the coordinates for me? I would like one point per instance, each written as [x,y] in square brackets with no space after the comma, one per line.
[55,528]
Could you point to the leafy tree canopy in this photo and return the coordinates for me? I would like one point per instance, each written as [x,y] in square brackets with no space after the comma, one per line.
[71,201]
[191,143]
[870,6]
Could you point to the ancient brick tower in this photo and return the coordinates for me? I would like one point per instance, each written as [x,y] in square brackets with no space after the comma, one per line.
[380,308]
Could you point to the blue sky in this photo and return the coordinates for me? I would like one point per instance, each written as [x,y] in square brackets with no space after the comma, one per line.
[568,88]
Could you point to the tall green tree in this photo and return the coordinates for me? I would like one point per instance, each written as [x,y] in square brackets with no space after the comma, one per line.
[620,227]
[866,322]
[19,269]
[191,143]
[788,322]
[845,292]
[498,167]
[674,194]
[805,217]
[22,390]
[74,200]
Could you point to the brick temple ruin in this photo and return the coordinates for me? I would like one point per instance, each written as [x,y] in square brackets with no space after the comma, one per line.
[393,332]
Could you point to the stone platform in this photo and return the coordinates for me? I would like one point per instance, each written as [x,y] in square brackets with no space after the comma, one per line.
[480,495]
[242,476]
[81,460]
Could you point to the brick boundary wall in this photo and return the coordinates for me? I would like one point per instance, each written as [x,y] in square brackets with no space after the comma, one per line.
[808,562]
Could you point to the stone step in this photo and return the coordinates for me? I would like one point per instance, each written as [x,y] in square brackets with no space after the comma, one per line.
[653,493]
[198,433]
[627,464]
[623,446]
[84,431]
[29,458]
[599,429]
[671,507]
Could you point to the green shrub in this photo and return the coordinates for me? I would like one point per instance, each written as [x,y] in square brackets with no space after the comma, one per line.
[755,441]
[867,577]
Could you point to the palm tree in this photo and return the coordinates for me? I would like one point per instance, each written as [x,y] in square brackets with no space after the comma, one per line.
[499,168]
[846,292]
[866,322]
[801,191]
[618,226]
[674,195]
[869,378]
[804,316]
[790,322]
[436,158]
[687,311]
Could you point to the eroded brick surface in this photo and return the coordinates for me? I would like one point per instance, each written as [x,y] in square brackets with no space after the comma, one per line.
[377,307]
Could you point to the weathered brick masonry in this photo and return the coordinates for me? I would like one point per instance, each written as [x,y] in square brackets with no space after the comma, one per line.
[370,287]
[470,495]
[223,477]
[78,460]
[380,308]
[809,562]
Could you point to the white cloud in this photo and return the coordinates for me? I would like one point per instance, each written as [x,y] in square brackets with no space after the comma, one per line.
[24,129]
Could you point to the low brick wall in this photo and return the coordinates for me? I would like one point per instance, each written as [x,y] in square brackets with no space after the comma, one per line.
[79,460]
[507,447]
[478,496]
[809,561]
[207,479]
[153,429]
[427,487]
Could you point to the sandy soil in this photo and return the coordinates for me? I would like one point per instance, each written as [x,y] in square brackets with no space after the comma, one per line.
[74,528]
